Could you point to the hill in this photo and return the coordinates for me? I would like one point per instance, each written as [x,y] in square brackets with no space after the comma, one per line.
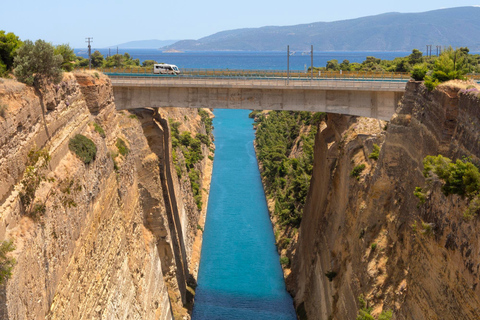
[145,44]
[458,27]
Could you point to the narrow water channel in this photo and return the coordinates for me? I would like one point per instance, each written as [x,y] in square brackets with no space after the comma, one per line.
[240,275]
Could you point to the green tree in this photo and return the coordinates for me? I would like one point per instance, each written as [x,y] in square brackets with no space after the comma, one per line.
[81,62]
[450,65]
[128,61]
[415,57]
[9,43]
[97,59]
[114,61]
[68,56]
[332,65]
[36,63]
[6,263]
[345,65]
[148,63]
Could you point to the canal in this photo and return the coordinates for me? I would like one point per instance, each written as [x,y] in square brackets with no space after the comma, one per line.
[240,275]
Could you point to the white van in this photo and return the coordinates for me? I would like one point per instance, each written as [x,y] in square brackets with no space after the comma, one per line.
[164,68]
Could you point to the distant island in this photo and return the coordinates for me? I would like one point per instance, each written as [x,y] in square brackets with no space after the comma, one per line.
[458,27]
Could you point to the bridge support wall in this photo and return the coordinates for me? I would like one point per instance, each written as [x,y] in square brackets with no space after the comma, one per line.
[373,104]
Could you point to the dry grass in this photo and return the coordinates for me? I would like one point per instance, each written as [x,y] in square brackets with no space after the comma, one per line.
[460,84]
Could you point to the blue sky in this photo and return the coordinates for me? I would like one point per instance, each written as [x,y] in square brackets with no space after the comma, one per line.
[112,22]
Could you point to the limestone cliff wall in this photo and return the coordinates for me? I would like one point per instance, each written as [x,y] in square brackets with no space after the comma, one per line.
[370,234]
[109,251]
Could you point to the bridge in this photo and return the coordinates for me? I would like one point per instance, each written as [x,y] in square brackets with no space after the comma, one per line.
[374,96]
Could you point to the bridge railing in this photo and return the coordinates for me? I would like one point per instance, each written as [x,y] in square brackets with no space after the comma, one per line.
[267,74]
[261,74]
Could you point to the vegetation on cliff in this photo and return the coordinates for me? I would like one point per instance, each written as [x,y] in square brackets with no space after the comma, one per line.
[286,176]
[461,177]
[83,147]
[6,263]
[191,149]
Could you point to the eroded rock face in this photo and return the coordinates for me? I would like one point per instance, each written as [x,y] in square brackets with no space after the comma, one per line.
[370,235]
[103,248]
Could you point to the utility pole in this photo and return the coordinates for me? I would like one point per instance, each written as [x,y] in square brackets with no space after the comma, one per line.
[311,65]
[88,40]
[288,64]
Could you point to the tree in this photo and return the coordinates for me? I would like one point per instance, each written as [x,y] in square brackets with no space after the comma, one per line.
[451,64]
[81,61]
[97,59]
[68,56]
[148,63]
[6,263]
[9,43]
[332,65]
[345,65]
[415,57]
[114,61]
[37,63]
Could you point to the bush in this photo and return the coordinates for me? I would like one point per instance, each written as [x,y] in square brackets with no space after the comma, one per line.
[33,176]
[122,147]
[373,246]
[420,195]
[83,147]
[6,263]
[284,261]
[365,312]
[375,153]
[460,177]
[99,129]
[357,170]
[418,72]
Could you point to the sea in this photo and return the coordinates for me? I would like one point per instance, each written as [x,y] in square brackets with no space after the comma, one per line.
[246,60]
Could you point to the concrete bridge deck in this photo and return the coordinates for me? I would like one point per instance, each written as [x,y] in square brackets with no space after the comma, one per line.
[376,98]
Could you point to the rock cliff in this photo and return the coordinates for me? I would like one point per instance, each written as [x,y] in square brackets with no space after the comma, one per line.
[365,235]
[113,238]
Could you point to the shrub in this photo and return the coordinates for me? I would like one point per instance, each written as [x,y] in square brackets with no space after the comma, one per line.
[122,147]
[133,116]
[83,147]
[418,72]
[32,178]
[473,208]
[373,246]
[284,261]
[420,195]
[460,177]
[357,170]
[207,121]
[99,129]
[6,263]
[427,228]
[96,75]
[375,153]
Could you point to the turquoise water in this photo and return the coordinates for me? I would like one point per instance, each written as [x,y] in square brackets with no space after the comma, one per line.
[240,275]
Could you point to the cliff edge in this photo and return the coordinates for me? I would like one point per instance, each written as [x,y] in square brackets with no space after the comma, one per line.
[366,242]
